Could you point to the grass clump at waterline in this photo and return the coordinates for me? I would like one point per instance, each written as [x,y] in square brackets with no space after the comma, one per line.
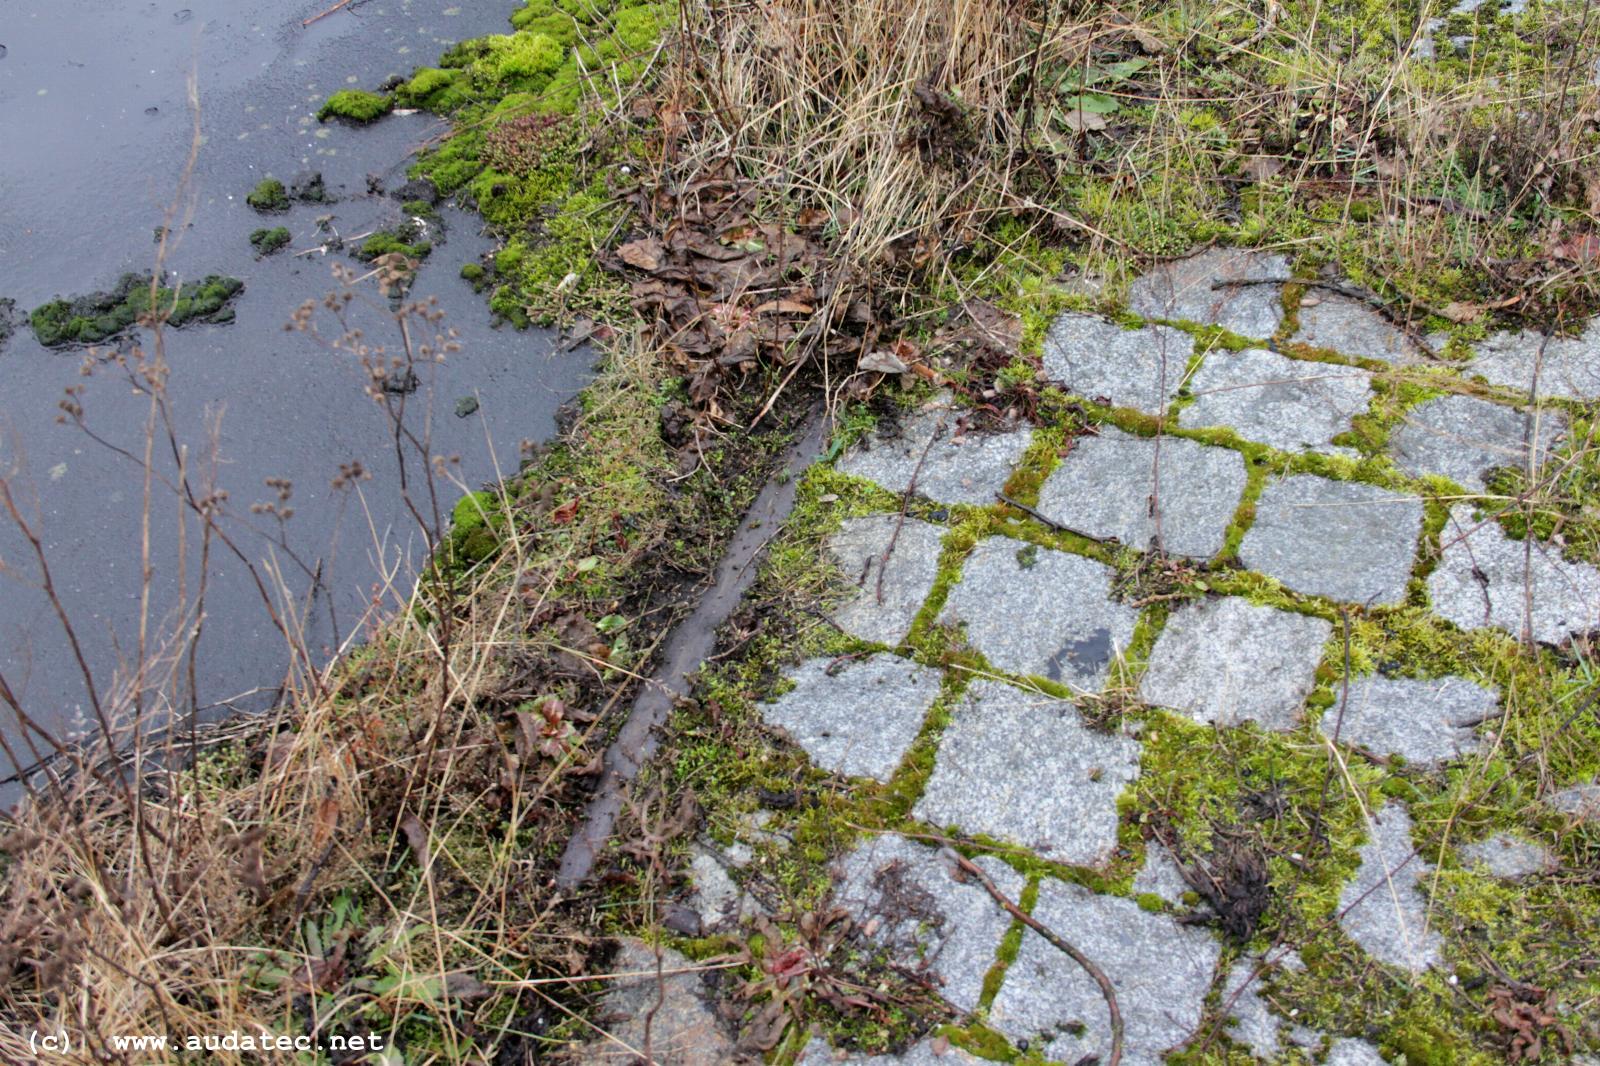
[354,105]
[268,197]
[267,241]
[103,315]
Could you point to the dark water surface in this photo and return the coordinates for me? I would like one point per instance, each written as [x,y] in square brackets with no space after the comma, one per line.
[94,131]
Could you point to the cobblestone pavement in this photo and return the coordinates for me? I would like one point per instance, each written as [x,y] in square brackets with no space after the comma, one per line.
[1264,471]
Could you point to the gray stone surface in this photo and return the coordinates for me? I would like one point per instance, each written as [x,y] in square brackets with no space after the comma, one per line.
[1187,289]
[950,463]
[1229,661]
[883,612]
[1352,1052]
[717,897]
[1580,801]
[1290,404]
[1160,969]
[1252,1021]
[1033,610]
[1484,578]
[1117,485]
[1383,908]
[928,1052]
[1462,437]
[855,716]
[933,920]
[1341,539]
[1023,767]
[1426,722]
[1353,327]
[1507,855]
[1568,366]
[1160,876]
[683,1029]
[1097,360]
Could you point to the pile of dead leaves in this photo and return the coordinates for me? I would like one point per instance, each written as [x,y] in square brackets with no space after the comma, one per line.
[1527,1020]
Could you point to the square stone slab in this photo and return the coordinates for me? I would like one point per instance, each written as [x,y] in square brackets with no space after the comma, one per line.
[1383,907]
[882,611]
[1160,969]
[1568,367]
[1269,398]
[1229,661]
[931,918]
[1463,437]
[1023,767]
[1484,578]
[922,1053]
[1108,485]
[1508,856]
[1339,539]
[1033,610]
[1426,722]
[951,464]
[1351,327]
[1188,290]
[1100,360]
[855,716]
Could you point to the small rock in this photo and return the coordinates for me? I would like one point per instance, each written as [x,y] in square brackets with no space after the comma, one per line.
[1195,290]
[1580,801]
[466,406]
[1229,661]
[1382,908]
[670,1013]
[1160,875]
[417,189]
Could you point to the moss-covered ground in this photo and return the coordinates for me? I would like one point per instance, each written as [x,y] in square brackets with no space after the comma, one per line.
[103,315]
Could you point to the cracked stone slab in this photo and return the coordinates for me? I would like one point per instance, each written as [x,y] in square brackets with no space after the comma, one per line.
[1352,1052]
[1463,437]
[949,462]
[1160,969]
[1229,661]
[1252,1020]
[1509,856]
[923,1053]
[1108,486]
[1568,367]
[1096,359]
[1023,767]
[1160,876]
[1484,578]
[925,913]
[855,717]
[1383,907]
[1426,722]
[1580,801]
[1352,327]
[1341,539]
[1189,289]
[1290,404]
[906,579]
[683,1026]
[1033,610]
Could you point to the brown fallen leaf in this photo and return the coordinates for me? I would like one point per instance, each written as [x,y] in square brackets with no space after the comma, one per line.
[1261,167]
[417,837]
[644,253]
[1080,121]
[785,307]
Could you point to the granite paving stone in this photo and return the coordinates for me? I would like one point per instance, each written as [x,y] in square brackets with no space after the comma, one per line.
[1383,908]
[1099,360]
[1352,327]
[1229,661]
[855,717]
[1463,437]
[683,1027]
[1426,722]
[927,1052]
[882,609]
[1341,539]
[1022,767]
[1252,1021]
[1188,289]
[1352,1052]
[1160,875]
[950,462]
[1038,611]
[1485,578]
[1568,367]
[1292,404]
[1508,855]
[1160,969]
[1117,485]
[931,918]
[1580,801]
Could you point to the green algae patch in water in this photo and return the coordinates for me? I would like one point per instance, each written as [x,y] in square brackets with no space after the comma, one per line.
[269,196]
[267,241]
[354,105]
[101,316]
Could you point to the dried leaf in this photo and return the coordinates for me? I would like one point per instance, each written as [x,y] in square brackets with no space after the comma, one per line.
[645,254]
[784,307]
[1261,167]
[1080,121]
[883,361]
[417,837]
[1462,311]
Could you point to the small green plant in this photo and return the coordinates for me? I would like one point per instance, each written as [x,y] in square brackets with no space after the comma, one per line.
[267,241]
[269,196]
[354,105]
[100,316]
